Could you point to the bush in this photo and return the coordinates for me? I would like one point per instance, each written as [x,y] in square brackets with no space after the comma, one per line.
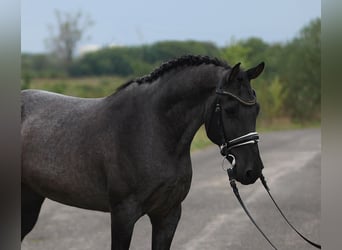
[271,97]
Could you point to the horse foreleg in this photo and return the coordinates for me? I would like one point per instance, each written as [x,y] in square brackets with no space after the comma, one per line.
[30,208]
[123,218]
[164,228]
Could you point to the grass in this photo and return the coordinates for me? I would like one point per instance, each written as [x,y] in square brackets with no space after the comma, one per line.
[103,86]
[200,140]
[81,87]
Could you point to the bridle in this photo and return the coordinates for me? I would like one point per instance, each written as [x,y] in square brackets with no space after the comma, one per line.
[215,129]
[216,132]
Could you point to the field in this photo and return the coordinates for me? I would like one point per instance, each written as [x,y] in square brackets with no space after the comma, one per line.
[81,87]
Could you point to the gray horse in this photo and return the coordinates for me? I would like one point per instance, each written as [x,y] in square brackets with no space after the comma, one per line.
[129,153]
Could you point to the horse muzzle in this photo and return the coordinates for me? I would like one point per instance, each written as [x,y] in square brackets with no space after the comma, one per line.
[248,176]
[244,175]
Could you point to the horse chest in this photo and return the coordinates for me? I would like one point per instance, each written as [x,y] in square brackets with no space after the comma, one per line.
[169,191]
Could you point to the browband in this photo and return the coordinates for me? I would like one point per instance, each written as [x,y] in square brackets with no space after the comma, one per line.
[246,102]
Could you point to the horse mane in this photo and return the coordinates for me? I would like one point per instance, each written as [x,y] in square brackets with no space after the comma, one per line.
[187,60]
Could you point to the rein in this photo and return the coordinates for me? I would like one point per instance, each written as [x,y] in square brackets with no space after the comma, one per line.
[263,181]
[225,148]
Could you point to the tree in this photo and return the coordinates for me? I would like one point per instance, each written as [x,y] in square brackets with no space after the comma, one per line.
[302,73]
[236,52]
[69,30]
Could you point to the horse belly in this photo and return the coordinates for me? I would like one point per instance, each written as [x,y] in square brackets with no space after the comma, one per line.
[70,188]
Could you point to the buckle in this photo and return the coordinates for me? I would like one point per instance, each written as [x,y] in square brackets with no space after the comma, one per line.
[223,149]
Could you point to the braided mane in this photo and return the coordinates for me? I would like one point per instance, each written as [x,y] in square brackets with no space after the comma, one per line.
[188,60]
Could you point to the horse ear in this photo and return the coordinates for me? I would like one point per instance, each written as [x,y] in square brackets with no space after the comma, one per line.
[256,71]
[233,72]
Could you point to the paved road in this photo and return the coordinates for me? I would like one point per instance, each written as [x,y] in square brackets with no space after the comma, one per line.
[212,218]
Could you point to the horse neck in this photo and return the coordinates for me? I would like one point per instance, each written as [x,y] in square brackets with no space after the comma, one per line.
[181,101]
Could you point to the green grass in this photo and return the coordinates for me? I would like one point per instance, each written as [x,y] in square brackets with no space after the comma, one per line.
[200,140]
[81,87]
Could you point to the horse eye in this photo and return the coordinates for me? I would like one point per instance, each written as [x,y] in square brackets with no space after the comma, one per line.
[231,107]
[230,110]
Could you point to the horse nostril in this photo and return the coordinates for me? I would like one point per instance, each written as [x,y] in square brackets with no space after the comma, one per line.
[249,174]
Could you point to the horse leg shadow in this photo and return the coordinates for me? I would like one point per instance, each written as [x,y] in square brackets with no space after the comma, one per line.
[31,203]
[164,228]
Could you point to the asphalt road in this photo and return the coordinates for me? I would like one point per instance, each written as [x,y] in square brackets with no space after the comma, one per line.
[212,217]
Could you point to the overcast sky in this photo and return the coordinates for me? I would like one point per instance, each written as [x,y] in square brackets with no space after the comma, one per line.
[133,22]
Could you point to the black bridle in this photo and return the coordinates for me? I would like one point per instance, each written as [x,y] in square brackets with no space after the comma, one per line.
[215,129]
[216,132]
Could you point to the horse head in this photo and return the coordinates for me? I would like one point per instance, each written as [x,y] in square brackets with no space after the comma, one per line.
[230,122]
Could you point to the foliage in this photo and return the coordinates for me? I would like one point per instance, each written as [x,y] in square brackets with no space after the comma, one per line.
[104,62]
[301,73]
[166,50]
[271,97]
[137,61]
[236,52]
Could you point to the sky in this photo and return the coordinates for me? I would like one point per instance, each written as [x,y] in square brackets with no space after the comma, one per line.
[133,22]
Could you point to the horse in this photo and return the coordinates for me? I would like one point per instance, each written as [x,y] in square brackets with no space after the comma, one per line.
[128,153]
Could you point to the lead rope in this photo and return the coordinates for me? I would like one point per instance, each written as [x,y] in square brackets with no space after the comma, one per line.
[263,181]
[249,138]
[236,192]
